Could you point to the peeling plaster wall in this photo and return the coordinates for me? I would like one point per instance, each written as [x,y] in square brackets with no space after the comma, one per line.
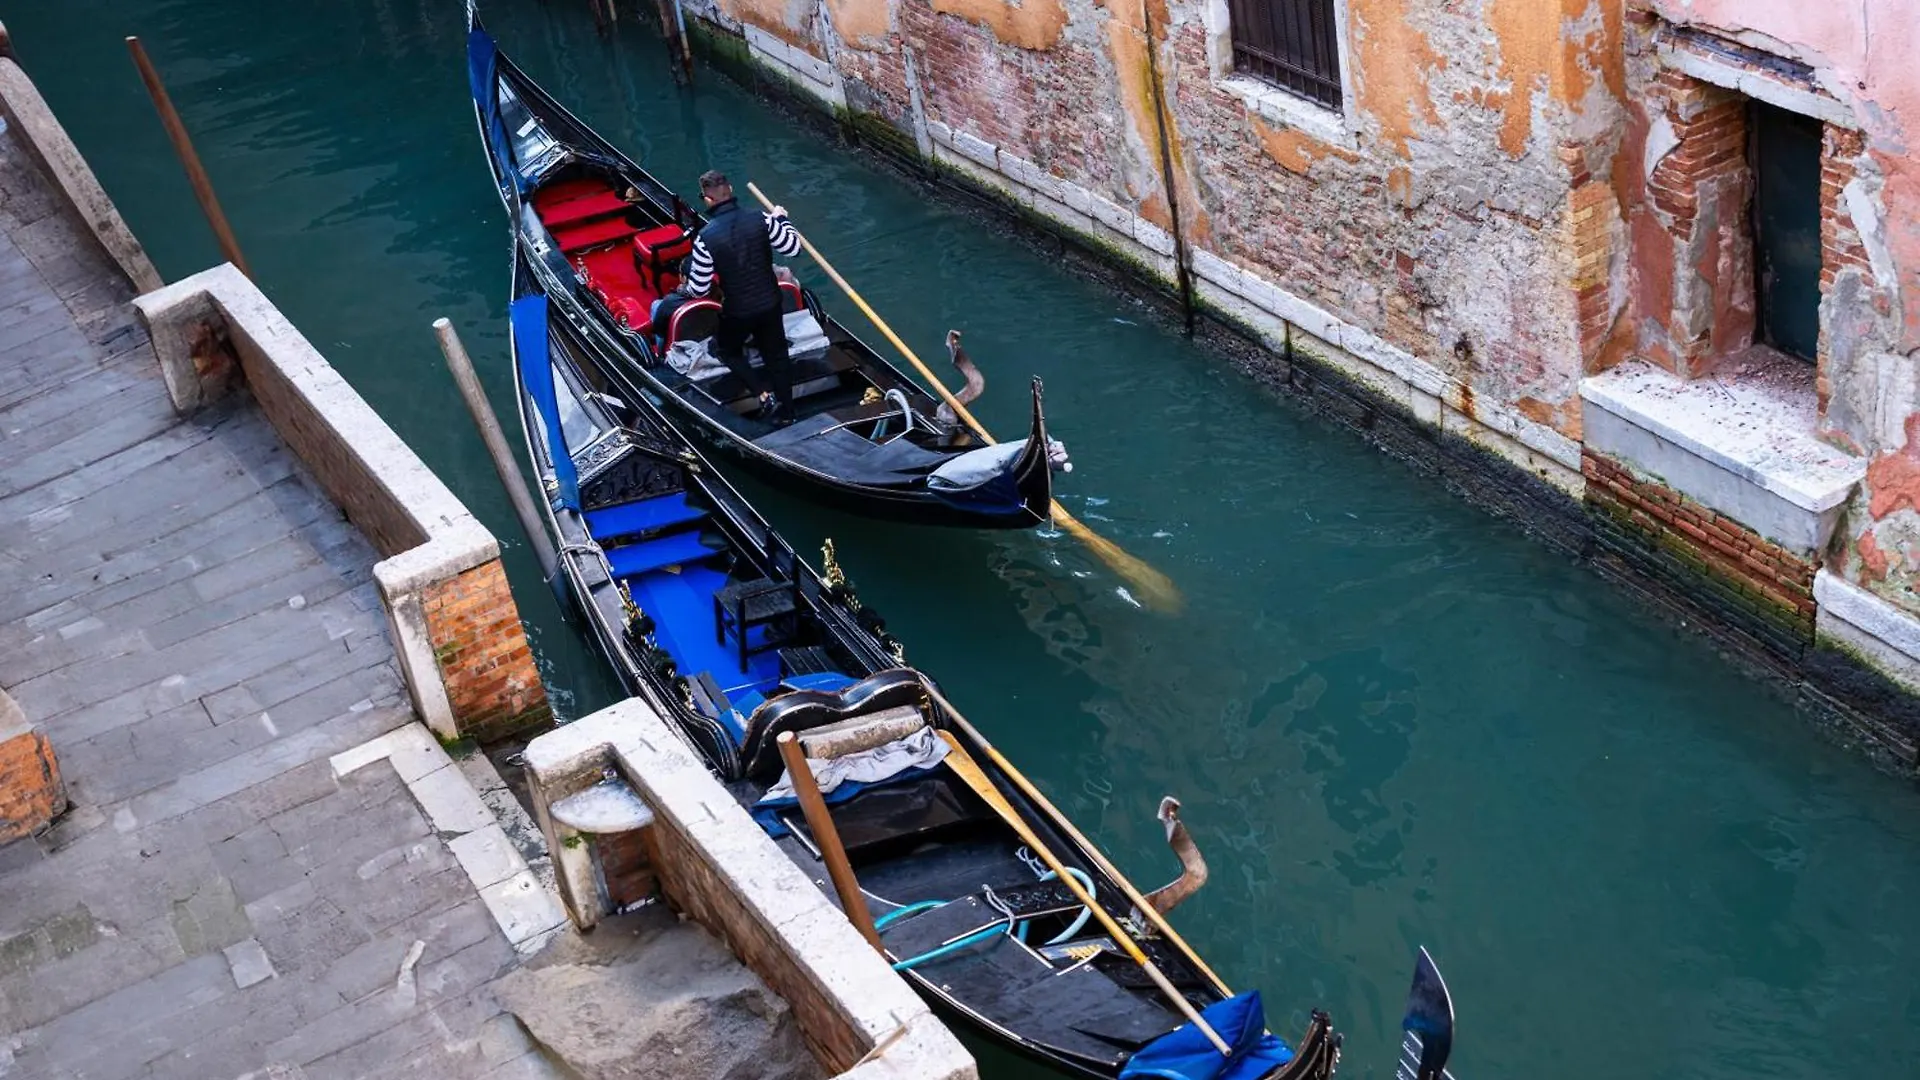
[1861,54]
[1436,218]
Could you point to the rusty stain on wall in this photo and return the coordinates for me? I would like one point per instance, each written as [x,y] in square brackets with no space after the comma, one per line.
[1296,151]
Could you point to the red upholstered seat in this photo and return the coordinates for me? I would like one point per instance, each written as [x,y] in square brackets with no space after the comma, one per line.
[554,194]
[690,309]
[581,208]
[657,252]
[591,235]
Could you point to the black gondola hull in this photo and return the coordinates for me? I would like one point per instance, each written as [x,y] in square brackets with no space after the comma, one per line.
[1020,497]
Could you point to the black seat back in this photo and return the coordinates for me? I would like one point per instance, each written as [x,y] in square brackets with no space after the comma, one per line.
[804,710]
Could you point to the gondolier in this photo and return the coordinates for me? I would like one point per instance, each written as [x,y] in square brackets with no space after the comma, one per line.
[740,247]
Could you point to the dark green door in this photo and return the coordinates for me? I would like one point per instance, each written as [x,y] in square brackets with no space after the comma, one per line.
[1786,223]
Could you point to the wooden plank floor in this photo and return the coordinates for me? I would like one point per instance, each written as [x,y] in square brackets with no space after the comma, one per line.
[195,627]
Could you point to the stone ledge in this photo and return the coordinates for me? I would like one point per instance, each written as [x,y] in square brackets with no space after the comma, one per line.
[425,534]
[737,877]
[1745,448]
[1878,633]
[48,141]
[1688,59]
[1277,106]
[807,70]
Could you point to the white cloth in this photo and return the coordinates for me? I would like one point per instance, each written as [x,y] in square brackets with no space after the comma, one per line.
[919,750]
[696,361]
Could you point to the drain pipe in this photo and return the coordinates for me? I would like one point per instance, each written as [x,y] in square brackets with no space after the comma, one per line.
[503,460]
[1183,275]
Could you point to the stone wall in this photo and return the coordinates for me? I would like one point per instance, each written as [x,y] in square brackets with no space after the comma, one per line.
[455,626]
[717,866]
[45,138]
[1511,200]
[1765,580]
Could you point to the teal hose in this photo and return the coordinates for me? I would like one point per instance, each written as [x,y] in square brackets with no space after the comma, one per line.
[914,961]
[1085,912]
[899,913]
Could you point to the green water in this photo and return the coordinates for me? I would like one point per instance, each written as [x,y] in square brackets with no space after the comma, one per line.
[1392,720]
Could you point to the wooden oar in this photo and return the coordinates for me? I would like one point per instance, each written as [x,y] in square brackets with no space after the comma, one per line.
[1112,872]
[1154,588]
[968,770]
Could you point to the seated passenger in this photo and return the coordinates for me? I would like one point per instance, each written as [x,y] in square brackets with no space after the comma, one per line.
[661,315]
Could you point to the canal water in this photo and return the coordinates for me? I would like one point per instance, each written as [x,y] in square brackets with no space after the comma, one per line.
[1392,720]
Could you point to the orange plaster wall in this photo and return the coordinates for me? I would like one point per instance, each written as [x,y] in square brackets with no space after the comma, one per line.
[1032,24]
[1393,65]
[784,19]
[861,21]
[1127,45]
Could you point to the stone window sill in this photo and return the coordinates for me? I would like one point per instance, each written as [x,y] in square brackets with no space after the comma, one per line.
[1742,444]
[1271,103]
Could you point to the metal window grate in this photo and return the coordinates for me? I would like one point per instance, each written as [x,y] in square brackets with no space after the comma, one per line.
[1290,43]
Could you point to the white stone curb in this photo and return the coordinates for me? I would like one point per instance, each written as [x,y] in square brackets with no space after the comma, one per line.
[521,900]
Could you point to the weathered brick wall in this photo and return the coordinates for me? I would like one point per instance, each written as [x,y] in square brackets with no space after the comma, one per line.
[1439,222]
[31,792]
[1761,578]
[1841,251]
[1693,260]
[482,651]
[626,867]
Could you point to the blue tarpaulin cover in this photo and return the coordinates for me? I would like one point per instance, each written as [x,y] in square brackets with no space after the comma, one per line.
[1185,1054]
[529,318]
[483,67]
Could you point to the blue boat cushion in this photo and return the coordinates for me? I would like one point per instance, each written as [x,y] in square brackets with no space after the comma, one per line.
[681,605]
[632,560]
[644,516]
[1185,1054]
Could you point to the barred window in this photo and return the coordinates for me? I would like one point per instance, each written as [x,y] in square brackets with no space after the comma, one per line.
[1292,44]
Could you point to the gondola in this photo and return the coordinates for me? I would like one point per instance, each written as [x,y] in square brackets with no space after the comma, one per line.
[608,240]
[710,617]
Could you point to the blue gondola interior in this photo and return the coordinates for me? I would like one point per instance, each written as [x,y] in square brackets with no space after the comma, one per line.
[665,549]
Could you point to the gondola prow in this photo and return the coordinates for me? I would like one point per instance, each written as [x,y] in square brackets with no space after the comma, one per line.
[1428,1025]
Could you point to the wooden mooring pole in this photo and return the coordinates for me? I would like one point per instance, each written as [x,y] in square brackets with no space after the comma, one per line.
[827,839]
[504,463]
[674,29]
[183,146]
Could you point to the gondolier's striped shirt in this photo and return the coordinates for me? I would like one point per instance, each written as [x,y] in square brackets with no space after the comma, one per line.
[780,232]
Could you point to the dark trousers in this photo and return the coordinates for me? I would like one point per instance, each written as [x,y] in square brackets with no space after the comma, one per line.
[768,333]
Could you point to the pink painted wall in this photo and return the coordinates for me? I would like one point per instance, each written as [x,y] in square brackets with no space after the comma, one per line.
[1866,53]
